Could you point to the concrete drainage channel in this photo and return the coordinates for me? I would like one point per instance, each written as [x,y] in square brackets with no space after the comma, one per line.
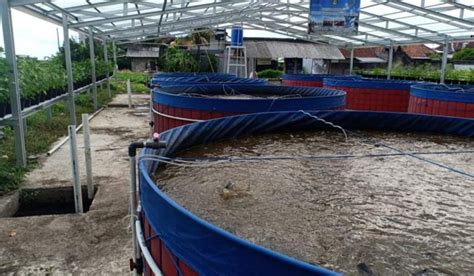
[42,201]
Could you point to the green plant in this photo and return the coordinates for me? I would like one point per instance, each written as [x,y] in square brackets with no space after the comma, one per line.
[136,77]
[3,78]
[435,56]
[464,54]
[422,72]
[81,70]
[31,77]
[103,67]
[270,74]
[177,60]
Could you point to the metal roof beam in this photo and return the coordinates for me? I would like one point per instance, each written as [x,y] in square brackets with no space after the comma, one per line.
[193,21]
[91,6]
[19,3]
[399,22]
[397,4]
[143,15]
[391,31]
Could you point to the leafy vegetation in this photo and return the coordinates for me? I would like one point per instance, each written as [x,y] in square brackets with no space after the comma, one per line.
[270,74]
[36,79]
[177,60]
[178,57]
[464,54]
[136,77]
[435,56]
[3,78]
[138,81]
[39,77]
[421,72]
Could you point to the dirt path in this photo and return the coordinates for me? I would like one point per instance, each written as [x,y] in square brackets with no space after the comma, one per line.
[95,242]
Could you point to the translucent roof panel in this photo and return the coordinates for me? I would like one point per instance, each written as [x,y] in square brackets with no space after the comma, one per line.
[381,22]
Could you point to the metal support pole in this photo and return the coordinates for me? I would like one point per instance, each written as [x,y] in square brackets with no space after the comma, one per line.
[390,61]
[92,57]
[351,64]
[70,82]
[14,84]
[129,93]
[88,158]
[106,59]
[114,48]
[75,170]
[444,60]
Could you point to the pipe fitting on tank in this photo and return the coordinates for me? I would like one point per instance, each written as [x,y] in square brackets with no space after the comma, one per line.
[132,148]
[136,265]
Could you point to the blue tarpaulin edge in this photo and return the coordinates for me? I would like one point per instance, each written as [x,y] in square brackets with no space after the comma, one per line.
[308,99]
[370,83]
[444,92]
[210,250]
[315,77]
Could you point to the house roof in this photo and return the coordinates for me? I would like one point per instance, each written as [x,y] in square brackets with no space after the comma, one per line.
[418,51]
[285,49]
[152,52]
[369,52]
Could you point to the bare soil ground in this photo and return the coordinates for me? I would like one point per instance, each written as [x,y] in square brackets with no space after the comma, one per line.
[98,242]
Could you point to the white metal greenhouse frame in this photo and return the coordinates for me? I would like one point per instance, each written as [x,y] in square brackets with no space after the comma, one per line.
[382,22]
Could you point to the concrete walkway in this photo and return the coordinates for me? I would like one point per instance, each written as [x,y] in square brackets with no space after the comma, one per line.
[98,241]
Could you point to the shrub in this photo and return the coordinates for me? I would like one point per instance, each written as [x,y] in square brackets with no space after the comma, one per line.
[3,79]
[177,60]
[464,54]
[270,74]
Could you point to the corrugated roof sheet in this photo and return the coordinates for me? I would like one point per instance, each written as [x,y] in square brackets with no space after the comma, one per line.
[284,49]
[143,53]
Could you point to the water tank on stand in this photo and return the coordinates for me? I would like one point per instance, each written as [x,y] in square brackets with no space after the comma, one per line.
[237,36]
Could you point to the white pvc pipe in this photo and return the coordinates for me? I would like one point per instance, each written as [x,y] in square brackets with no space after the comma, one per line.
[88,157]
[146,253]
[75,170]
[129,93]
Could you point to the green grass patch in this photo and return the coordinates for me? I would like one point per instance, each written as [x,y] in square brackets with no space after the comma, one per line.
[135,77]
[137,88]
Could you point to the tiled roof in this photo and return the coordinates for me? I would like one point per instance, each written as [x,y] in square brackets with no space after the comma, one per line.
[370,52]
[417,51]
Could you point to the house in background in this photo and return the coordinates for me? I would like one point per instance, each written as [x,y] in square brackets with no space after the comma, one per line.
[364,58]
[413,55]
[455,47]
[143,58]
[299,56]
[377,57]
